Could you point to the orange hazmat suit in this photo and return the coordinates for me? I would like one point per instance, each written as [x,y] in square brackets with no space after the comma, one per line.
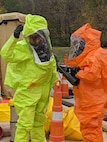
[91,93]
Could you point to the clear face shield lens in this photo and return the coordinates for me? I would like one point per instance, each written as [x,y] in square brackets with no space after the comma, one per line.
[40,44]
[77,46]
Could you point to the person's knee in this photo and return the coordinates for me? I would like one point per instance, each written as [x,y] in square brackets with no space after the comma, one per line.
[40,119]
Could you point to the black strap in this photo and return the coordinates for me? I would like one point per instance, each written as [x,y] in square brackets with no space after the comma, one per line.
[6,21]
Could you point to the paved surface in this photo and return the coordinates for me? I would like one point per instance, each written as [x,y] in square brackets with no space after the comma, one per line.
[6,128]
[6,125]
[6,137]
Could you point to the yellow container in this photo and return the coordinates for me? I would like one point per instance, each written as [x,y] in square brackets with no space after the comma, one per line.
[4,111]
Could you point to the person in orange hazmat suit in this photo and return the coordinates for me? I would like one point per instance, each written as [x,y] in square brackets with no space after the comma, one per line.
[88,60]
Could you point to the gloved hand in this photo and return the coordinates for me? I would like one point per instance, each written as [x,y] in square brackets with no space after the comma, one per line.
[17,31]
[73,71]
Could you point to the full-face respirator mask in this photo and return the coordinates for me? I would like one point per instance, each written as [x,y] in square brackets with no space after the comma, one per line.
[77,46]
[40,44]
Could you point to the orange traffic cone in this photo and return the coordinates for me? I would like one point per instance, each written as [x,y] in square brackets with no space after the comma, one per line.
[56,128]
[64,87]
[64,83]
[65,59]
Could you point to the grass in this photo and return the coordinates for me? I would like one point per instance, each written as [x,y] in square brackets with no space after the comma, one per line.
[60,52]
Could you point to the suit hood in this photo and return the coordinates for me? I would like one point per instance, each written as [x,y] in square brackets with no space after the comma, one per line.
[92,42]
[33,23]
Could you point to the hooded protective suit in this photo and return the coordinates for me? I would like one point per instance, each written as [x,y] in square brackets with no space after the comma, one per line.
[91,93]
[31,80]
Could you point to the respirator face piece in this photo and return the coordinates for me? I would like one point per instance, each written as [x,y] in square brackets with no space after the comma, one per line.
[77,46]
[40,44]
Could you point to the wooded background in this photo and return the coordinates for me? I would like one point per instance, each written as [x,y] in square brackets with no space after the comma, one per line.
[64,16]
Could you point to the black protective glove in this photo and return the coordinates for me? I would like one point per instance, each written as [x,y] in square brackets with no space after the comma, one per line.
[66,71]
[17,31]
[73,71]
